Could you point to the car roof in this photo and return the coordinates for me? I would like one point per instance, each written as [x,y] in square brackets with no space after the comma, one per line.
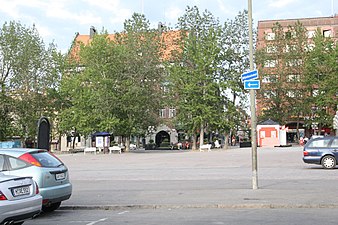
[323,138]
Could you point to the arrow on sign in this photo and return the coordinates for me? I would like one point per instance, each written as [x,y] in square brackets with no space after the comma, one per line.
[252,84]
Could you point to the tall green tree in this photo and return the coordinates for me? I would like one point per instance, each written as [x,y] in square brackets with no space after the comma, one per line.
[141,76]
[118,86]
[321,80]
[28,73]
[193,77]
[234,59]
[281,60]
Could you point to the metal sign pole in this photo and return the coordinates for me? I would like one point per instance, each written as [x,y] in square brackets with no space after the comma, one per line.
[252,106]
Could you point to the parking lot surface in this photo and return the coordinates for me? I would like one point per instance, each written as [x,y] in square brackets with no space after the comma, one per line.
[194,181]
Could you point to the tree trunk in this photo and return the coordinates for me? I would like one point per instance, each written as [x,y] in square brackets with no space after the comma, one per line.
[226,142]
[298,137]
[202,135]
[193,147]
[127,145]
[137,142]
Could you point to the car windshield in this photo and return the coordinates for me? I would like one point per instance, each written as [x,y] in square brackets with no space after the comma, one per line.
[46,159]
[319,143]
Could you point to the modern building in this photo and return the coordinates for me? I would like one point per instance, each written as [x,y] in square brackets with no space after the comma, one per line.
[328,27]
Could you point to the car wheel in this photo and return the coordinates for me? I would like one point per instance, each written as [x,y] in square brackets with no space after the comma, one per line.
[51,207]
[19,223]
[329,162]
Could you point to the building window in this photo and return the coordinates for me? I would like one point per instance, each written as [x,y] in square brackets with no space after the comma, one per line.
[315,92]
[270,36]
[269,78]
[310,47]
[172,113]
[266,79]
[311,33]
[270,63]
[293,78]
[290,48]
[290,94]
[294,62]
[327,33]
[269,94]
[162,113]
[271,49]
[165,87]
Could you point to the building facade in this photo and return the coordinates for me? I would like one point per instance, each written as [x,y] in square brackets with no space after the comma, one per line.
[328,26]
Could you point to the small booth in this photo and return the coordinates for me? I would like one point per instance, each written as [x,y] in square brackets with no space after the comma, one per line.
[102,141]
[268,133]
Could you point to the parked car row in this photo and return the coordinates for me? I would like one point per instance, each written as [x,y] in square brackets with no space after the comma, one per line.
[32,180]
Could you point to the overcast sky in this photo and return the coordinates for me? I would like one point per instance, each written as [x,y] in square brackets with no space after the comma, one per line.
[58,20]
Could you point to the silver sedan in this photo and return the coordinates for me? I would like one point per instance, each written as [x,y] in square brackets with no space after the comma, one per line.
[19,199]
[47,170]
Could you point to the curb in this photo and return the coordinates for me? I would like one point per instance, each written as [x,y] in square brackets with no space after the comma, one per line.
[219,206]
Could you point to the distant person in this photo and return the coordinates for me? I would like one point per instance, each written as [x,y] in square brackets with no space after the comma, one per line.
[233,141]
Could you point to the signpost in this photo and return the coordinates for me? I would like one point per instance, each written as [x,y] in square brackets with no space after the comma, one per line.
[250,75]
[252,84]
[252,104]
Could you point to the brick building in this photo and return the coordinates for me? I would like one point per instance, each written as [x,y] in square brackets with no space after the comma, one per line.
[328,27]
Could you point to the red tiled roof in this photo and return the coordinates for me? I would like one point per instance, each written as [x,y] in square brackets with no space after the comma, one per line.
[169,39]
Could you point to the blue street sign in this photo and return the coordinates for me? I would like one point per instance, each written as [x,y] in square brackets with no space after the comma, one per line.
[252,84]
[250,75]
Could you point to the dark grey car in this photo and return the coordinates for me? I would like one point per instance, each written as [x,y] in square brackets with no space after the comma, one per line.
[322,151]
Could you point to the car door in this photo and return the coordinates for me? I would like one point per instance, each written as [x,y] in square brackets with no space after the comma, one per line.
[334,147]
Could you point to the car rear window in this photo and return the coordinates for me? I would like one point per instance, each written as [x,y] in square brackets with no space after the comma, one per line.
[46,159]
[319,143]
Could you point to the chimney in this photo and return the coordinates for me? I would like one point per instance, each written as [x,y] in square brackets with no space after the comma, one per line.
[92,32]
[160,27]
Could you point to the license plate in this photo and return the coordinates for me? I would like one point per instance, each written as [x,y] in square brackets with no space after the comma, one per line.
[21,191]
[60,176]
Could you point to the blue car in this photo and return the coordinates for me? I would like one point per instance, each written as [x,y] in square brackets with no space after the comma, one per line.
[322,151]
[49,172]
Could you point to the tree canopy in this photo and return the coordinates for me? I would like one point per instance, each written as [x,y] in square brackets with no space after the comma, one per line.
[117,89]
[29,78]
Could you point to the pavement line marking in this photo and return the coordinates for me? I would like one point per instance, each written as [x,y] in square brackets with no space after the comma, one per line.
[120,213]
[100,220]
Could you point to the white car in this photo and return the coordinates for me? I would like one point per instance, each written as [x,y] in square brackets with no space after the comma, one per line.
[19,199]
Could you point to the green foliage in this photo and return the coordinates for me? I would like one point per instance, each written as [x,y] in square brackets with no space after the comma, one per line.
[306,69]
[211,61]
[117,89]
[321,80]
[29,77]
[283,95]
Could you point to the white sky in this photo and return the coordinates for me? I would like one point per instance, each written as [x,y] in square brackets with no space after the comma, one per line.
[58,20]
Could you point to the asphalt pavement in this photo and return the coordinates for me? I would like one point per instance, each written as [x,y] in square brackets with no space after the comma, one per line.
[192,179]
